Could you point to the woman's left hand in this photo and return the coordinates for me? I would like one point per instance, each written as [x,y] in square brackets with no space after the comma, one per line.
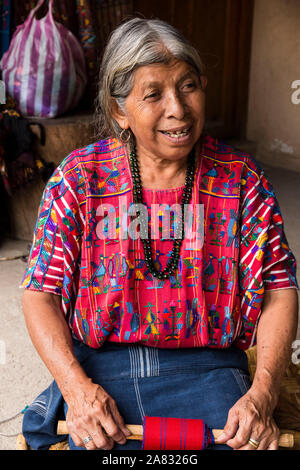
[251,418]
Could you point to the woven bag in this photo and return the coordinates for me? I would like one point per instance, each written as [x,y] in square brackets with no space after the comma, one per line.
[44,68]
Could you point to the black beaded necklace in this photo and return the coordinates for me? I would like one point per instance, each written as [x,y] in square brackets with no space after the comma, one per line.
[172,264]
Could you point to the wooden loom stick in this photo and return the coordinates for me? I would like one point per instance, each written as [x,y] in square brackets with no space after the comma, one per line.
[135,429]
[287,438]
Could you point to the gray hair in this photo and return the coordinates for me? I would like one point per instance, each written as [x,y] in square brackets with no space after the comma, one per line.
[135,43]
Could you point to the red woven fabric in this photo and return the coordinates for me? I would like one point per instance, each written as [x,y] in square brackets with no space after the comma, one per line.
[106,289]
[175,434]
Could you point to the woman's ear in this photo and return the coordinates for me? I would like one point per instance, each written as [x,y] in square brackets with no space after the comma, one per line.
[118,114]
[203,80]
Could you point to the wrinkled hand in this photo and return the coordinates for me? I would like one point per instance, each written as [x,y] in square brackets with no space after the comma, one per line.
[251,417]
[93,412]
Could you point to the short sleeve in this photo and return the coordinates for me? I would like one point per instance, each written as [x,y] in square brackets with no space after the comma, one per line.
[266,260]
[56,237]
[279,267]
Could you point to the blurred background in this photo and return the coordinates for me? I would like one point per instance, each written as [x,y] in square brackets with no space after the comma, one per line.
[251,49]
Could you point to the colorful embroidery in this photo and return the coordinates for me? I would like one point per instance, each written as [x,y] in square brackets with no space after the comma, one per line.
[107,292]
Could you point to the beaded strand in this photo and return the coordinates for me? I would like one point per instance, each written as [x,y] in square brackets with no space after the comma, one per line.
[173,261]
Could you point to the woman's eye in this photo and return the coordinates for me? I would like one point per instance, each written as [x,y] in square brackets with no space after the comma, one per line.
[189,86]
[154,94]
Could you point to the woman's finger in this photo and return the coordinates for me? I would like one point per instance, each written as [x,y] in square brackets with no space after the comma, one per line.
[103,412]
[110,426]
[92,438]
[87,433]
[87,440]
[261,438]
[100,439]
[230,427]
[74,431]
[90,445]
[240,439]
[264,443]
[119,419]
[246,430]
[273,437]
[273,445]
[76,439]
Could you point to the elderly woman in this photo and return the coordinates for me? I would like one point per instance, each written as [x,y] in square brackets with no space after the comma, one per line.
[132,325]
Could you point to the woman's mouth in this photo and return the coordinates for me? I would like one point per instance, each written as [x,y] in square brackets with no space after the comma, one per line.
[178,135]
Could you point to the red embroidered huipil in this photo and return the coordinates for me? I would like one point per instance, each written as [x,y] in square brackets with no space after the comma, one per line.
[107,292]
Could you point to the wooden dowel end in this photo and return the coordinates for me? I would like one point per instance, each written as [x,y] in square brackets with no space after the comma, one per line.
[286,438]
[135,429]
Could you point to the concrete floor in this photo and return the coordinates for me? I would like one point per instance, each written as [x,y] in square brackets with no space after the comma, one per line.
[23,375]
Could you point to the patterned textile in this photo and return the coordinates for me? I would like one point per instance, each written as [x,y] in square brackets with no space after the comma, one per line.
[107,292]
[175,434]
[91,21]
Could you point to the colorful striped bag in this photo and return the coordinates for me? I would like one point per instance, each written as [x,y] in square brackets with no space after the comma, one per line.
[44,68]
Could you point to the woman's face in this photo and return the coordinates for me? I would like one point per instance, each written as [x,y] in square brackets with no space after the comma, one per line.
[165,110]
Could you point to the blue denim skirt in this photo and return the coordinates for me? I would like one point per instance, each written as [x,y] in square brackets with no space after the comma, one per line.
[180,383]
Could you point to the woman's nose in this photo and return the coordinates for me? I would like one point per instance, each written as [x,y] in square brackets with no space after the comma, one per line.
[175,106]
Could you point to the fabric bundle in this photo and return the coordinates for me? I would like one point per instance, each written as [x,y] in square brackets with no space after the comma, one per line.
[44,68]
[175,434]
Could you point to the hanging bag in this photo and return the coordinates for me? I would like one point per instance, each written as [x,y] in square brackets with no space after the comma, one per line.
[44,68]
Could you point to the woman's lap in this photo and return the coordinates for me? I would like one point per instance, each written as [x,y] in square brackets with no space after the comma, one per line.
[197,383]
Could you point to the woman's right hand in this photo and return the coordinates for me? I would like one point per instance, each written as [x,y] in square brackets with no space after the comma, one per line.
[93,412]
